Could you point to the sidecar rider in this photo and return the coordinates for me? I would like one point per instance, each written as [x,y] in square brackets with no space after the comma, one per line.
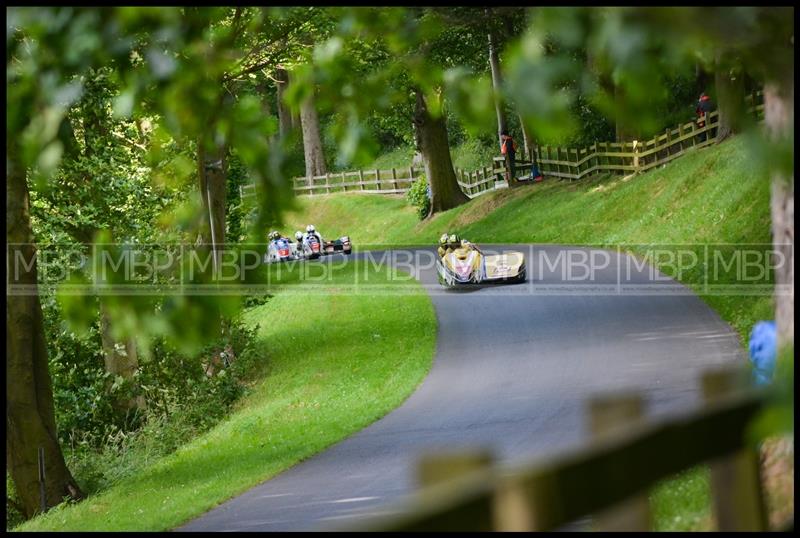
[311,231]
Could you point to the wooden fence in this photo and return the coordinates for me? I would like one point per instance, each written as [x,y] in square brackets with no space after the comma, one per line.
[392,181]
[563,163]
[608,480]
[636,156]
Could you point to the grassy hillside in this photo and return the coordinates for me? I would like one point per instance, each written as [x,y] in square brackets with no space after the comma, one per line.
[714,195]
[316,391]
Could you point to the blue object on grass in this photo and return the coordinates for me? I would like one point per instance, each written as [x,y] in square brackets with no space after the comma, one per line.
[763,340]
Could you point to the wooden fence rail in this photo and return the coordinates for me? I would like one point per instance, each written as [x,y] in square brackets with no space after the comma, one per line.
[563,163]
[463,491]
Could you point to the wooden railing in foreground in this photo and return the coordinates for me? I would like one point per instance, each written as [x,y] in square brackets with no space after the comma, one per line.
[609,480]
[563,163]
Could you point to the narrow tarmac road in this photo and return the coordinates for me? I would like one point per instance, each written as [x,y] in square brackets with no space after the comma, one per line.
[513,367]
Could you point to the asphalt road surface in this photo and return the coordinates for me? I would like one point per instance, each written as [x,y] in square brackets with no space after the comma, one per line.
[513,366]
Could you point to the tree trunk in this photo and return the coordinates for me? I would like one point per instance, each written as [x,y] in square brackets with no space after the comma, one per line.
[701,77]
[624,132]
[730,97]
[526,140]
[606,84]
[212,164]
[312,143]
[494,63]
[431,134]
[30,412]
[284,115]
[778,116]
[265,107]
[120,359]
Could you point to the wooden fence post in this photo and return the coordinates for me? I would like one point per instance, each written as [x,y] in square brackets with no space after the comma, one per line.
[636,168]
[574,170]
[327,183]
[411,173]
[377,179]
[608,416]
[361,178]
[735,479]
[512,510]
[667,144]
[439,467]
[394,178]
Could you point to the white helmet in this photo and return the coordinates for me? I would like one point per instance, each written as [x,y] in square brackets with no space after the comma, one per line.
[298,235]
[310,228]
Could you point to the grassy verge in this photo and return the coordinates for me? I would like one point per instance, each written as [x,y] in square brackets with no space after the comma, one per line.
[316,391]
[710,196]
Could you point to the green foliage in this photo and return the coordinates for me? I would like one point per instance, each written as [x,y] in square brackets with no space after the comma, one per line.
[473,154]
[14,512]
[417,196]
[182,402]
[397,157]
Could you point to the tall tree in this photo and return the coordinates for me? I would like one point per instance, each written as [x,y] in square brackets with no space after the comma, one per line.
[30,412]
[729,83]
[284,114]
[432,143]
[312,142]
[494,63]
[212,161]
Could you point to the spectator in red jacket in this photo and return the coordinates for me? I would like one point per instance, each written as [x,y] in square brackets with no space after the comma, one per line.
[509,149]
[704,107]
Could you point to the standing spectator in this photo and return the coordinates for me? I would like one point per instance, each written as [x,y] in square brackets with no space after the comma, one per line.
[509,148]
[704,107]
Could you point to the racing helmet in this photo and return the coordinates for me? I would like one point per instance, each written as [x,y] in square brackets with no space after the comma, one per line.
[298,235]
[454,239]
[273,235]
[310,228]
[443,239]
